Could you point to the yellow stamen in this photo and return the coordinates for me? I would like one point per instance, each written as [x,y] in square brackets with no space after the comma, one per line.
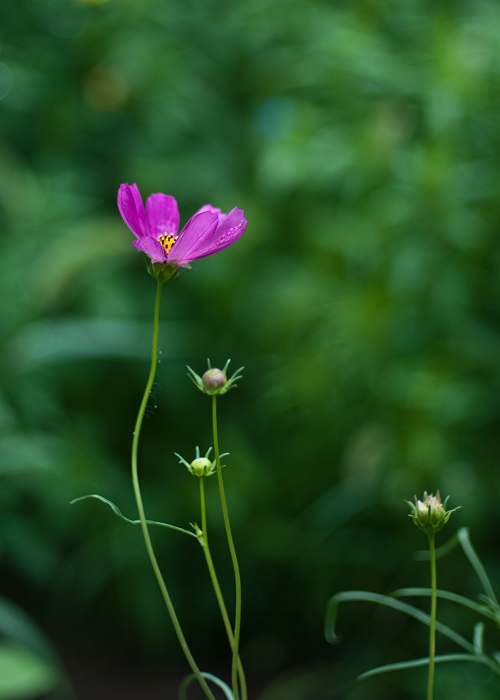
[167,240]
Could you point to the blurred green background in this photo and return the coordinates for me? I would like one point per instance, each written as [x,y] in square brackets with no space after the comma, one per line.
[363,141]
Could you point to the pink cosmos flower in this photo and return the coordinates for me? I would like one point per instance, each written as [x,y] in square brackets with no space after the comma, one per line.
[156,227]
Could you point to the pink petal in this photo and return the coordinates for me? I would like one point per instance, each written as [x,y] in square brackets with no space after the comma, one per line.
[152,248]
[132,209]
[209,207]
[199,227]
[229,230]
[162,214]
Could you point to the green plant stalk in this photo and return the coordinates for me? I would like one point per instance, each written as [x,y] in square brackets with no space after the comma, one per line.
[217,589]
[140,507]
[237,578]
[432,627]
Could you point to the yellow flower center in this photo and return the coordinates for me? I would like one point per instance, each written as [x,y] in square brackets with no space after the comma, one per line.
[167,240]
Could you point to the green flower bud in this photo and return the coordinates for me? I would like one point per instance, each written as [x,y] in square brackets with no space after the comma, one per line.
[197,531]
[201,466]
[431,508]
[430,515]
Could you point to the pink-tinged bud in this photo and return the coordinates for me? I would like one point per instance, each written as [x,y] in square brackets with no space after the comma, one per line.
[214,379]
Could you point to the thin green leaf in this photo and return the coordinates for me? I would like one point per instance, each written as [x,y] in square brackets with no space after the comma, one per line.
[477,637]
[220,683]
[446,548]
[471,554]
[402,665]
[118,512]
[447,595]
[366,596]
[492,605]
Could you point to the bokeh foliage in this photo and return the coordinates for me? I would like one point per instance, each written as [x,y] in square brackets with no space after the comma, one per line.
[362,140]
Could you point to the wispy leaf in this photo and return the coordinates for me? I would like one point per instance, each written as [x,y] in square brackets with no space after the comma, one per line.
[403,665]
[209,677]
[118,512]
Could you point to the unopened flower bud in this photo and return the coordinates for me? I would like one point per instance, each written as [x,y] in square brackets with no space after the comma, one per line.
[201,466]
[431,509]
[197,531]
[214,379]
[430,515]
[422,510]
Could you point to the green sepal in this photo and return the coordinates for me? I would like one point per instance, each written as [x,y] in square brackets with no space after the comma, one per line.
[198,533]
[164,272]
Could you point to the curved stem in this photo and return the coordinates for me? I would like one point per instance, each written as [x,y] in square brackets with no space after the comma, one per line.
[140,507]
[217,588]
[432,633]
[237,578]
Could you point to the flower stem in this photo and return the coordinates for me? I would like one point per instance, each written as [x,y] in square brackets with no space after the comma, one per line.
[432,632]
[217,589]
[140,506]
[237,578]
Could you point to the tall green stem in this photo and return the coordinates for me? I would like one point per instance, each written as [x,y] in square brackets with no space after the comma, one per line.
[237,578]
[140,507]
[217,588]
[432,633]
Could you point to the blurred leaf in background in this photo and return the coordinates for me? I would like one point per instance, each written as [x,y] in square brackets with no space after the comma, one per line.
[362,140]
[29,666]
[22,674]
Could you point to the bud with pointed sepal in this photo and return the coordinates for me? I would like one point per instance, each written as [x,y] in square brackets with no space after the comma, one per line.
[201,466]
[215,380]
[430,514]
